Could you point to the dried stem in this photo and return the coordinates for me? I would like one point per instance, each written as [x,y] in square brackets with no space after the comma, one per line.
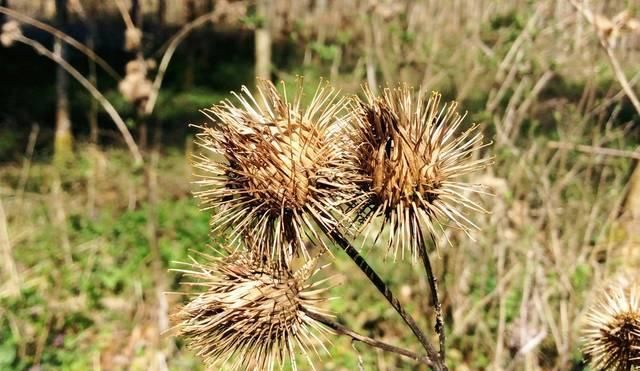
[26,164]
[168,54]
[617,69]
[613,61]
[12,279]
[601,151]
[433,285]
[115,116]
[343,330]
[124,12]
[64,37]
[377,281]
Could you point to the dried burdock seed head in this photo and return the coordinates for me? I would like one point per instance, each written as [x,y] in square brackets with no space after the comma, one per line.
[136,87]
[410,158]
[277,168]
[230,12]
[132,38]
[10,33]
[612,333]
[252,316]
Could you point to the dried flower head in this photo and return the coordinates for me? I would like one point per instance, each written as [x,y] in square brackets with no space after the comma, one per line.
[611,30]
[612,333]
[136,87]
[252,315]
[10,33]
[278,168]
[230,12]
[132,39]
[410,157]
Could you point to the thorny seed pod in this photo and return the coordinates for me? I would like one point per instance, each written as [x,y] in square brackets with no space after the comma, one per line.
[410,157]
[132,38]
[136,87]
[277,168]
[252,315]
[10,33]
[612,332]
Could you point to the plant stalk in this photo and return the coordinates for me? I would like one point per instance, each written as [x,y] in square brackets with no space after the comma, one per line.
[377,281]
[433,285]
[64,37]
[108,107]
[343,330]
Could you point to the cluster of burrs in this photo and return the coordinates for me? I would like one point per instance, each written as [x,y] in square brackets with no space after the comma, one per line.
[283,177]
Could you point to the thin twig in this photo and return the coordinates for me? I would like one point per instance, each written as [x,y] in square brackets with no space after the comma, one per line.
[616,97]
[613,61]
[377,281]
[124,12]
[595,150]
[26,164]
[64,37]
[60,219]
[168,54]
[617,69]
[113,113]
[343,330]
[433,285]
[152,229]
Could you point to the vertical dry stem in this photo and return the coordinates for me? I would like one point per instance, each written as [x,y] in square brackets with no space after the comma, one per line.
[13,281]
[433,285]
[60,218]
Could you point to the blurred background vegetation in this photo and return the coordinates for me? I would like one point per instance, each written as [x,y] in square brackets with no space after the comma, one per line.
[87,233]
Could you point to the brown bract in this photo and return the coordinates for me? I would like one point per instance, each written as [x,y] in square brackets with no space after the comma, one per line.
[275,168]
[612,334]
[252,316]
[410,159]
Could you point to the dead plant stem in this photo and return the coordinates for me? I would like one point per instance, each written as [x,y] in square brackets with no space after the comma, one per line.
[12,279]
[377,281]
[113,113]
[168,54]
[343,330]
[433,285]
[64,37]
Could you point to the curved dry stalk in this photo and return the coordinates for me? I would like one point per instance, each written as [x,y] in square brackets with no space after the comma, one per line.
[377,281]
[108,107]
[168,54]
[343,330]
[64,37]
[126,17]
